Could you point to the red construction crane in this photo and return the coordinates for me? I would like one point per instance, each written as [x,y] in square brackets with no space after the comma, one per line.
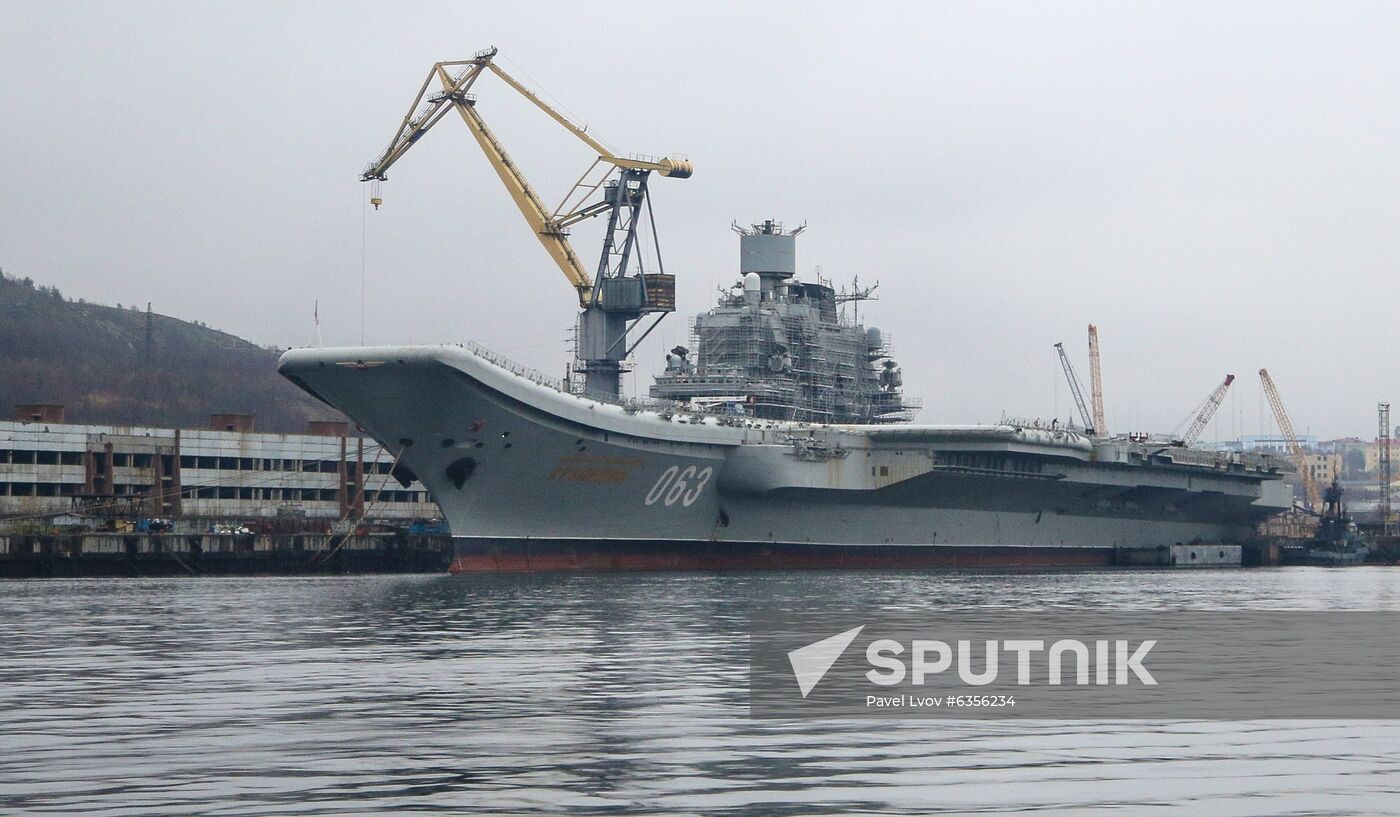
[1207,411]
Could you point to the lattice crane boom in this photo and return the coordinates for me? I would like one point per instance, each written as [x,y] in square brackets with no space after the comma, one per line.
[1096,382]
[1074,388]
[1383,440]
[550,227]
[1208,411]
[621,291]
[1295,448]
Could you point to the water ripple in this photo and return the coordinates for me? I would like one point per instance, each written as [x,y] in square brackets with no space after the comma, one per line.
[600,695]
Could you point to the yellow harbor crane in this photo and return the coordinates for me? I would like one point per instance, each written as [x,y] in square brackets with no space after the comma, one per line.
[1096,382]
[1295,448]
[615,298]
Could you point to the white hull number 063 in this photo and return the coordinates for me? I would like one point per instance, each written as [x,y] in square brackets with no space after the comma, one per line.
[677,484]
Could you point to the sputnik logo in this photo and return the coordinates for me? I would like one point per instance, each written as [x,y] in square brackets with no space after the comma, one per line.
[811,662]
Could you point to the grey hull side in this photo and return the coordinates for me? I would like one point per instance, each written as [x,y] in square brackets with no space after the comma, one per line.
[511,461]
[478,554]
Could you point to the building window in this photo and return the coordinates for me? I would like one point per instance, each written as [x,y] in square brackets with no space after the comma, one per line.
[71,458]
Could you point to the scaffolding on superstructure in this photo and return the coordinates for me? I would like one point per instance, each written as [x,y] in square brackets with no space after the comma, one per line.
[795,358]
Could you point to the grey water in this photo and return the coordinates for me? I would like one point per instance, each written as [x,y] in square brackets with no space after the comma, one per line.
[602,694]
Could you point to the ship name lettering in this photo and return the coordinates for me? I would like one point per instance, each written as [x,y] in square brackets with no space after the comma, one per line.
[594,474]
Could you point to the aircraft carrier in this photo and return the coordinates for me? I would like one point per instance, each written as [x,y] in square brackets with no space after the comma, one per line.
[534,476]
[777,439]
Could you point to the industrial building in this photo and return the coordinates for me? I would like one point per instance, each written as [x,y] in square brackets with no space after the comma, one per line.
[50,468]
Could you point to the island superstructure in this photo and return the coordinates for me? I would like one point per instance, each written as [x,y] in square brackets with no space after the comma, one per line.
[780,349]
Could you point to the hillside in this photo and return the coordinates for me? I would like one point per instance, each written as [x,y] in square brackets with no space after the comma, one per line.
[96,360]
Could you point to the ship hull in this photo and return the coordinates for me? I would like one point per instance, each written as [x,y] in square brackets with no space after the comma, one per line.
[473,554]
[532,479]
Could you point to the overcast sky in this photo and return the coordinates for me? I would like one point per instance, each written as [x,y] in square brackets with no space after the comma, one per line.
[1216,186]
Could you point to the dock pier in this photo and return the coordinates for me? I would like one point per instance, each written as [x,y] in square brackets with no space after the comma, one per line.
[94,554]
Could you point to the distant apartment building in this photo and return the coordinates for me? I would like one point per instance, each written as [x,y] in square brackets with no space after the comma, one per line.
[1373,455]
[48,466]
[1352,450]
[1324,467]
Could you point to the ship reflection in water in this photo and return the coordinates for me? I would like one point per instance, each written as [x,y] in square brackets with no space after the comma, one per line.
[598,693]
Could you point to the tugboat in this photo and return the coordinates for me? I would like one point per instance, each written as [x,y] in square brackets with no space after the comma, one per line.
[1338,542]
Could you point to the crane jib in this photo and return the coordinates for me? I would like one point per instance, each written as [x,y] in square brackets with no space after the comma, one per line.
[626,290]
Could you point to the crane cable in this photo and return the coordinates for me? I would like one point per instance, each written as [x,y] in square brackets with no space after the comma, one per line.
[364,233]
[355,525]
